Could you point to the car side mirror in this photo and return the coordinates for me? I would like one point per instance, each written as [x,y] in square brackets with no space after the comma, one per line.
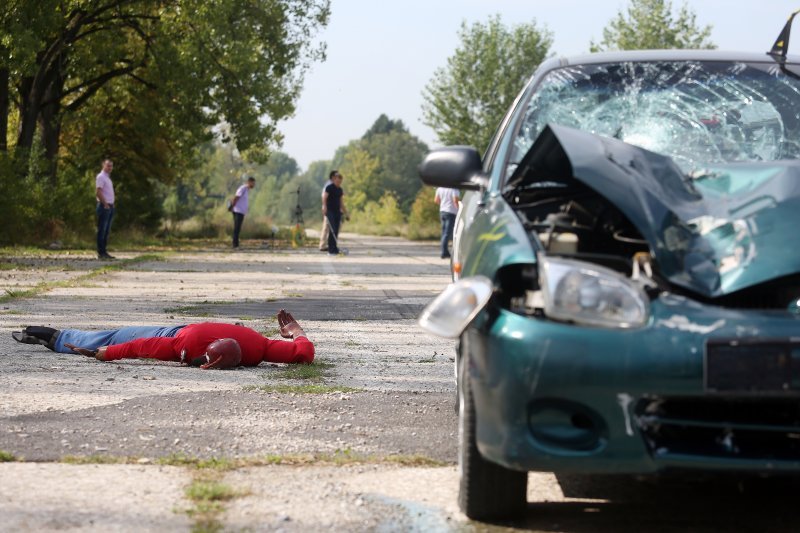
[455,167]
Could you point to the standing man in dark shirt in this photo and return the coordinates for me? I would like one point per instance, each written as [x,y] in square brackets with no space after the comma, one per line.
[326,229]
[333,208]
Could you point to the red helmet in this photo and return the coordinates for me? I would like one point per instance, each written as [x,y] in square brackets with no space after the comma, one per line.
[223,353]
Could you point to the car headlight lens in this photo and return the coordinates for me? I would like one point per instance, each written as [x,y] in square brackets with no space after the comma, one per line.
[589,294]
[452,311]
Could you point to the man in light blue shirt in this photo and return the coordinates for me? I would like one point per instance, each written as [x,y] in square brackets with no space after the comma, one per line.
[239,207]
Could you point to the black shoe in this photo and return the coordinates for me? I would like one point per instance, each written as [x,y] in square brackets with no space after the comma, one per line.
[20,336]
[107,257]
[445,257]
[37,335]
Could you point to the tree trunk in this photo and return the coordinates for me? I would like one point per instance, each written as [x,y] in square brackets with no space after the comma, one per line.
[40,98]
[50,121]
[4,109]
[28,116]
[51,135]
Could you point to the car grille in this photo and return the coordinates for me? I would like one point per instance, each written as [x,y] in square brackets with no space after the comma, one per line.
[723,427]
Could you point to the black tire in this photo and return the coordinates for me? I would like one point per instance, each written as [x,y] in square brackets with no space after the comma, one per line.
[487,491]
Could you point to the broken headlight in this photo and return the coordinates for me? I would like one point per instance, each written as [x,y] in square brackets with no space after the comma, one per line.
[592,295]
[452,311]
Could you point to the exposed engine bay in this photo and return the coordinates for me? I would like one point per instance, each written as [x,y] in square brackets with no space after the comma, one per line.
[718,237]
[570,219]
[565,217]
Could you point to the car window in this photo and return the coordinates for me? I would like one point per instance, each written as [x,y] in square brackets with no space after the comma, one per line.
[698,113]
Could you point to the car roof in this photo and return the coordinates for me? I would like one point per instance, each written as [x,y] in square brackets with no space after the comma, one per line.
[665,55]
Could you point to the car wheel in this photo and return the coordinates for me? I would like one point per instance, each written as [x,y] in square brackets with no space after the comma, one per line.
[487,491]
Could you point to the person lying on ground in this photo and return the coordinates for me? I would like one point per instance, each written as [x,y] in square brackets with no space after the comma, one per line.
[185,344]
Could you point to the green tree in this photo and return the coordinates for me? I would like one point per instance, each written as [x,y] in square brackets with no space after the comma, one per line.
[281,165]
[359,170]
[384,124]
[650,24]
[241,61]
[384,159]
[465,101]
[399,154]
[318,172]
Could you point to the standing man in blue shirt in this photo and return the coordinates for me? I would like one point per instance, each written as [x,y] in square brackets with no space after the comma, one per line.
[239,207]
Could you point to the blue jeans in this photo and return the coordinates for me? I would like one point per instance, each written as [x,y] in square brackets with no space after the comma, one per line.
[334,220]
[91,340]
[104,217]
[448,223]
[238,218]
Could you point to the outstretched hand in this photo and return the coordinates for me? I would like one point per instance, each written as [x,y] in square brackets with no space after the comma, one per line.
[290,329]
[98,354]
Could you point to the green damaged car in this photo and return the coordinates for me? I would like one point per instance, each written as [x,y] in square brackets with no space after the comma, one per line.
[626,292]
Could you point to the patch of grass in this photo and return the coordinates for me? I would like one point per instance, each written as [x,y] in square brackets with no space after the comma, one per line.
[210,491]
[29,251]
[351,344]
[246,318]
[11,294]
[293,295]
[179,310]
[95,460]
[316,371]
[413,460]
[7,457]
[204,524]
[11,312]
[301,389]
[342,457]
[208,498]
[431,359]
[194,309]
[287,459]
[214,463]
[8,266]
[270,332]
[209,471]
[209,495]
[347,457]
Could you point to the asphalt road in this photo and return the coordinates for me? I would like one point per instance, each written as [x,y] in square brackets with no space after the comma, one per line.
[374,451]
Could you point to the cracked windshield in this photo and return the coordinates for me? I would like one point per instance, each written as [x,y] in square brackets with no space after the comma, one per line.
[695,112]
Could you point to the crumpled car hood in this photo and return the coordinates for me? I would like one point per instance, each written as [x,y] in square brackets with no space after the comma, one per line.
[730,227]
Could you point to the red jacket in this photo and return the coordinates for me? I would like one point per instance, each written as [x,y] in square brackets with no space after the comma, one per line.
[192,341]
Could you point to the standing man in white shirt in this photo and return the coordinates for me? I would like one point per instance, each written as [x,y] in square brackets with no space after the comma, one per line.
[239,207]
[104,191]
[448,200]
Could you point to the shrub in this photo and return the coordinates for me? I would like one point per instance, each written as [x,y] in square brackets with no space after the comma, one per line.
[423,221]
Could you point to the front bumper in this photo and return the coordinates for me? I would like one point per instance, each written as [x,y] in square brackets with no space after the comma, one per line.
[559,397]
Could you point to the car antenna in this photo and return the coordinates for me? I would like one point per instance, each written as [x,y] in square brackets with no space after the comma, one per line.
[781,45]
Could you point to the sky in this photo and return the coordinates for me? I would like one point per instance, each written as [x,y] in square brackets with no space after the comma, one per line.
[381,55]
